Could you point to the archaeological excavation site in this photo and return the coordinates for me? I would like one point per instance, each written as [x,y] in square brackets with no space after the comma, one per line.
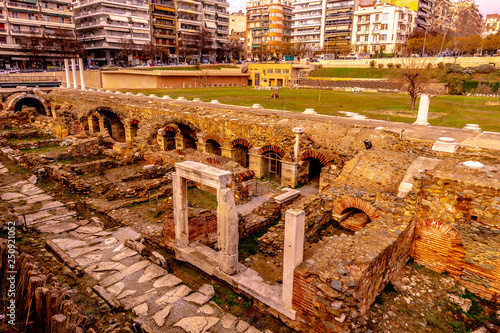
[133,213]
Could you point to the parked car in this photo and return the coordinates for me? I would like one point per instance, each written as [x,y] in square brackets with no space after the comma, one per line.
[13,70]
[94,67]
[109,68]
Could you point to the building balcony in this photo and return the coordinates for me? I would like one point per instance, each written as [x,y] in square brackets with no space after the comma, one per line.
[302,33]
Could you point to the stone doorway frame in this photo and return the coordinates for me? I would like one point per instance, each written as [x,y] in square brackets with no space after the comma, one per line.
[227,217]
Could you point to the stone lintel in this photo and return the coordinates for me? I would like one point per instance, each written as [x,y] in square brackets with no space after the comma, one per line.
[204,174]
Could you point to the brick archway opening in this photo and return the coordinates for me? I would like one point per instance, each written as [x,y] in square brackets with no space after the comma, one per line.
[360,212]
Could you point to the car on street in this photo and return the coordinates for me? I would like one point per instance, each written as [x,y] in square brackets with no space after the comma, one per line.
[109,68]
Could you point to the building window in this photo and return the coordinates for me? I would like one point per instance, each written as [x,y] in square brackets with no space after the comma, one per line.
[366,38]
[264,71]
[383,26]
[14,14]
[358,38]
[377,17]
[367,28]
[277,71]
[383,37]
[61,20]
[31,16]
[286,71]
[359,28]
[269,71]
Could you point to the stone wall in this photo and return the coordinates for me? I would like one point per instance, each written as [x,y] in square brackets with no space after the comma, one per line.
[459,229]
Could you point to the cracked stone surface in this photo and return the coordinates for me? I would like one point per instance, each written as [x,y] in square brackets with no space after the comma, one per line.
[161,315]
[197,324]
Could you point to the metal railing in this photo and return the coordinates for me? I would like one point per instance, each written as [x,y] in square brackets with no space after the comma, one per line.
[12,81]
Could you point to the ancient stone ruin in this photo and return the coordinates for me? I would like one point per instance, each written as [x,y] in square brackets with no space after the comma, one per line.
[372,206]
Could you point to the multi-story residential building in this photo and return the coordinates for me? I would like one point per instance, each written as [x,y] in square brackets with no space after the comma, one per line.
[382,28]
[163,20]
[467,19]
[106,27]
[216,20]
[492,24]
[21,18]
[339,24]
[269,25]
[308,23]
[424,9]
[202,27]
[237,23]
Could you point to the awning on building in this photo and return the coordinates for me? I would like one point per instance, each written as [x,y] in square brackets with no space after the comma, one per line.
[28,1]
[166,9]
[211,25]
[137,31]
[140,20]
[118,18]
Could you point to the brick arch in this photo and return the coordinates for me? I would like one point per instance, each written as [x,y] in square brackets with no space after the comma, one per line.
[342,205]
[12,101]
[98,111]
[273,148]
[213,136]
[169,128]
[323,156]
[242,142]
[212,160]
[438,247]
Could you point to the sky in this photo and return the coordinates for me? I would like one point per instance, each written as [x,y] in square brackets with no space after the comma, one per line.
[485,6]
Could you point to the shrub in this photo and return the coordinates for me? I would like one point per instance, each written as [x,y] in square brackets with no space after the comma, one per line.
[380,65]
[468,71]
[455,84]
[484,69]
[429,66]
[373,63]
[390,65]
[398,65]
[452,68]
[440,65]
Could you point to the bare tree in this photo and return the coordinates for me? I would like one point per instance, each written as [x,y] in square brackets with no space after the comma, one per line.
[301,49]
[31,45]
[413,77]
[204,79]
[66,45]
[235,48]
[205,43]
[128,49]
[150,51]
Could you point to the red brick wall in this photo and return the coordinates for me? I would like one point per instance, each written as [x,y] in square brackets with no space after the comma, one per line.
[202,228]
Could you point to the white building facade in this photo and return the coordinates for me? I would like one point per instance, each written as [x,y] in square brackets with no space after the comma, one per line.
[382,29]
[104,26]
[308,23]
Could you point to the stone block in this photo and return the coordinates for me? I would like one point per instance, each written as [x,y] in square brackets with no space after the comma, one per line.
[446,145]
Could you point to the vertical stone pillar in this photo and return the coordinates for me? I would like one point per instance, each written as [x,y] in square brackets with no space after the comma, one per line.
[82,74]
[66,69]
[293,253]
[179,141]
[256,162]
[128,133]
[91,125]
[228,152]
[423,110]
[73,65]
[296,149]
[180,211]
[289,174]
[227,231]
[200,146]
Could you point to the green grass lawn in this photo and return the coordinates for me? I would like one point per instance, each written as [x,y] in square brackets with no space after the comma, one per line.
[451,111]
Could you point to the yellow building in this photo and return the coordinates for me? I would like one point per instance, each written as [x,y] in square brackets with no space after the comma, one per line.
[275,74]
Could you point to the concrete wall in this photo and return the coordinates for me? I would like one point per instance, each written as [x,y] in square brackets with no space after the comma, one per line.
[365,63]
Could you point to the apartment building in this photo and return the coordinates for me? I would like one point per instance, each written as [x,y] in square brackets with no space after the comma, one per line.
[424,9]
[163,21]
[22,18]
[382,29]
[105,27]
[492,24]
[339,24]
[269,25]
[202,25]
[308,23]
